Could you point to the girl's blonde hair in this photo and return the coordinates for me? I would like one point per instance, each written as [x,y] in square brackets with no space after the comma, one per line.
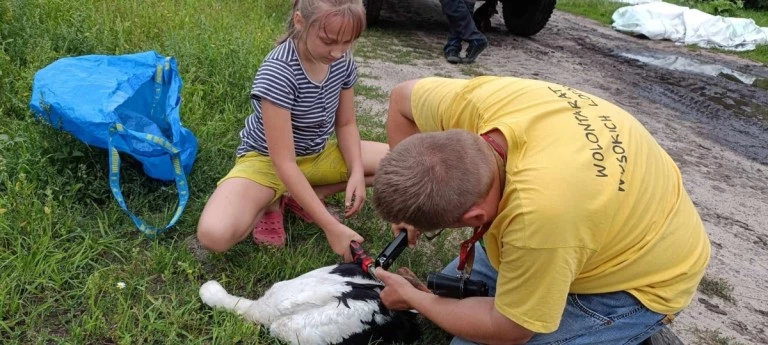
[317,12]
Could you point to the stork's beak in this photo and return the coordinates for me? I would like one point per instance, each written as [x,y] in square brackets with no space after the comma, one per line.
[372,272]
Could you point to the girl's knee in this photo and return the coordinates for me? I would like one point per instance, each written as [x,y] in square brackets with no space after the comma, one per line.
[215,235]
[373,152]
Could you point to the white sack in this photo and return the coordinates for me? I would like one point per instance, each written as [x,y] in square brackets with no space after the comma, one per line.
[660,20]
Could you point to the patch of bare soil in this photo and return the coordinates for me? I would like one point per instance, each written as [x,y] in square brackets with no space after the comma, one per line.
[714,127]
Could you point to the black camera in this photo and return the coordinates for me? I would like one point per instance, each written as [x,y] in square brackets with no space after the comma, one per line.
[456,286]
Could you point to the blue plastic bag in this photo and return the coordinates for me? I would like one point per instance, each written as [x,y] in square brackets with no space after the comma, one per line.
[125,104]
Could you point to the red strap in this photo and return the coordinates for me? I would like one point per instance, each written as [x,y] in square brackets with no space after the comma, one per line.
[495,145]
[468,246]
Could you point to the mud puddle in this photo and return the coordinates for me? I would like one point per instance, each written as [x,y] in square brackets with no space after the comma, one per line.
[688,65]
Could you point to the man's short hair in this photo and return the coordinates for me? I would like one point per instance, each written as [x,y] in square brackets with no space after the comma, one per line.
[429,180]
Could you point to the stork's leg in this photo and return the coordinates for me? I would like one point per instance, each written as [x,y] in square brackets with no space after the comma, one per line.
[214,295]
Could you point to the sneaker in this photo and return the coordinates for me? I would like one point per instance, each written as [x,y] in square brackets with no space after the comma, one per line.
[474,49]
[452,55]
[452,50]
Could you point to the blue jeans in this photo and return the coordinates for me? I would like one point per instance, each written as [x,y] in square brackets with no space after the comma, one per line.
[459,15]
[608,318]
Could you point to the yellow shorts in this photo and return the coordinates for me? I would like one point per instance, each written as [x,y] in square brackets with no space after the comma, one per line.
[326,167]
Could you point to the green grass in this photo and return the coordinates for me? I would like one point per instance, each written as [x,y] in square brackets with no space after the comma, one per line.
[472,70]
[64,242]
[712,337]
[394,45]
[599,10]
[371,92]
[716,287]
[602,10]
[372,127]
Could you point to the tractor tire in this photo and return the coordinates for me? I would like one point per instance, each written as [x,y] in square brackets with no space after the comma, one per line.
[527,17]
[663,337]
[372,11]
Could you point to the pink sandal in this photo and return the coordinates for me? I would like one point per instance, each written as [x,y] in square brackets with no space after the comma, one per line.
[290,203]
[269,230]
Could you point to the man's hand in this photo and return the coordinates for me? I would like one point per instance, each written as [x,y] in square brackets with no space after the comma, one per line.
[355,194]
[413,233]
[397,290]
[339,237]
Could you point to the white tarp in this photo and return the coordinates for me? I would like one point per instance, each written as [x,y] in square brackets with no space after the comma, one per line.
[660,20]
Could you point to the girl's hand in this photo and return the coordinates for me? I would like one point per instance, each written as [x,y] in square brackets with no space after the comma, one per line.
[339,237]
[355,194]
[413,233]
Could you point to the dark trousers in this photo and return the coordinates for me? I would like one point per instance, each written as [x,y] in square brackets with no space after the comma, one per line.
[459,14]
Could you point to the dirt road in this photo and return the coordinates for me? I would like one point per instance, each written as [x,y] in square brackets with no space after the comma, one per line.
[714,127]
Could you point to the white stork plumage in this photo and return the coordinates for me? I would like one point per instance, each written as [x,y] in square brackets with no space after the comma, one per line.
[336,304]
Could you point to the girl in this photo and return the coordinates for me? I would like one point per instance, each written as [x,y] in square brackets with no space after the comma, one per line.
[301,94]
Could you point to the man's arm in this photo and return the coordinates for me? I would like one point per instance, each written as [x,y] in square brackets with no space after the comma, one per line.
[400,123]
[474,319]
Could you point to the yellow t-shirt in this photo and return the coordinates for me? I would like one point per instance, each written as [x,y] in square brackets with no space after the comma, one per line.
[591,204]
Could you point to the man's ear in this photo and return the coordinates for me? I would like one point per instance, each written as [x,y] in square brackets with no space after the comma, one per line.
[474,217]
[298,21]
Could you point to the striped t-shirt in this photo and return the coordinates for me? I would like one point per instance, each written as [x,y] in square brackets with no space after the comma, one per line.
[281,79]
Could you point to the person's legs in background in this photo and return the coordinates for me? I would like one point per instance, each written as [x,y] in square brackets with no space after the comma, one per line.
[462,28]
[452,50]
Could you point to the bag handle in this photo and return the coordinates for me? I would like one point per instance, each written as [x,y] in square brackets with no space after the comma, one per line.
[114,176]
